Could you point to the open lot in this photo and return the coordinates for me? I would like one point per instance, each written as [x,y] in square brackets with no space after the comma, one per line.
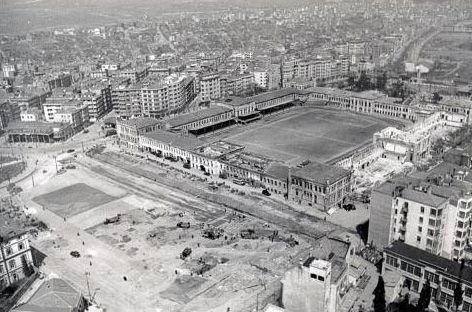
[313,134]
[452,53]
[73,199]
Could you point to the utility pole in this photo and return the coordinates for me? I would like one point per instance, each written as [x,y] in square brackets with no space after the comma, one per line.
[55,161]
[88,285]
[83,150]
[32,180]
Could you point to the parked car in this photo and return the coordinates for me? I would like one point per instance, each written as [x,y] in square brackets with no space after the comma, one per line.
[183,225]
[70,167]
[70,150]
[187,166]
[206,173]
[86,131]
[349,207]
[75,254]
[265,192]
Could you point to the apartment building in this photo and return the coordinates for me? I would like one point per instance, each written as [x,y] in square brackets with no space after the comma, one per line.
[95,103]
[210,88]
[15,253]
[429,211]
[67,110]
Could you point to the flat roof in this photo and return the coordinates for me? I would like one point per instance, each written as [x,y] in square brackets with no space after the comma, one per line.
[422,197]
[140,122]
[415,255]
[196,116]
[177,140]
[320,173]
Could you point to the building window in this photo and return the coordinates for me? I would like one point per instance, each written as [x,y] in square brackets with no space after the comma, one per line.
[448,284]
[418,239]
[12,264]
[20,246]
[410,268]
[1,269]
[8,251]
[420,229]
[392,261]
[468,292]
[321,278]
[421,220]
[433,278]
[422,209]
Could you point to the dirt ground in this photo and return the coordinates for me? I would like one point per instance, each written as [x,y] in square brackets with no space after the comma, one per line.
[146,245]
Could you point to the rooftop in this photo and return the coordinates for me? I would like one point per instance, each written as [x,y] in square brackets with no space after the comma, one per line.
[177,140]
[423,198]
[415,255]
[11,229]
[277,170]
[185,119]
[140,122]
[54,295]
[37,127]
[320,173]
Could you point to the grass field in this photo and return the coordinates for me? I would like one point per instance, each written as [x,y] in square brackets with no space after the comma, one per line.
[73,199]
[314,134]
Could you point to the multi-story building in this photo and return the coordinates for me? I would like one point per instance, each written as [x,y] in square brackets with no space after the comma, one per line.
[261,78]
[416,266]
[431,212]
[154,99]
[32,114]
[320,281]
[130,130]
[95,103]
[77,117]
[320,185]
[15,253]
[210,88]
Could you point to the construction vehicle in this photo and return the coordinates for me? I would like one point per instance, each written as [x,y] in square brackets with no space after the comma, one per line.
[185,253]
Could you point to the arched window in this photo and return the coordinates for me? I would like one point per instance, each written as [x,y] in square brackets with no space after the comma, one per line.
[12,264]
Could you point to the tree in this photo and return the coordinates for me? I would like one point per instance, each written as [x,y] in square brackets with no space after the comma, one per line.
[363,83]
[458,295]
[382,82]
[379,296]
[26,268]
[351,82]
[436,98]
[425,297]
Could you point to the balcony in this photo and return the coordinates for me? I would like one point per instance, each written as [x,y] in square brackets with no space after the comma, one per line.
[403,219]
[403,229]
[404,209]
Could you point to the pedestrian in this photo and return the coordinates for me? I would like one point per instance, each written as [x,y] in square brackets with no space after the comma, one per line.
[64,219]
[90,263]
[78,234]
[124,278]
[83,243]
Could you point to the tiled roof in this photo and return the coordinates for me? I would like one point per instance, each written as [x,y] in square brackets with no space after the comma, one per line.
[423,198]
[54,295]
[277,170]
[320,173]
[11,229]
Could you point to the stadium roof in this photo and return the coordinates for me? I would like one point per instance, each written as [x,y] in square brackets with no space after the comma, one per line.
[176,140]
[185,119]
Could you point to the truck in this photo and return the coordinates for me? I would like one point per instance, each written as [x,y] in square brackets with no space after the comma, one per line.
[185,253]
[115,219]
